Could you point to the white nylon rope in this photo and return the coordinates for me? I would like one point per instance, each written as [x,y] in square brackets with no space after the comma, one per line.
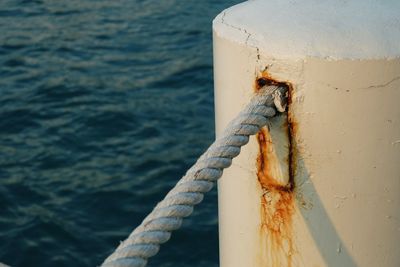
[144,242]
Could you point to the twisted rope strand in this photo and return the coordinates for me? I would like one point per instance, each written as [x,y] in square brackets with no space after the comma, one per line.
[144,242]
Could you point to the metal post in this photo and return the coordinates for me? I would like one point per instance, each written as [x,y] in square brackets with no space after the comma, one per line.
[320,187]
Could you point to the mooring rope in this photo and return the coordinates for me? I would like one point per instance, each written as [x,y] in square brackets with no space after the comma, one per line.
[144,242]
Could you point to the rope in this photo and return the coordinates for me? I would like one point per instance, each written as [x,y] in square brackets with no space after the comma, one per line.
[144,242]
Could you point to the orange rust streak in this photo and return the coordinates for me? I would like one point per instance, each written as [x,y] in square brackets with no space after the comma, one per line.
[276,211]
[276,227]
[264,159]
[277,201]
[292,131]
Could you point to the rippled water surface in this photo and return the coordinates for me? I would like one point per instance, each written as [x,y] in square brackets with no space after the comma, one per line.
[103,106]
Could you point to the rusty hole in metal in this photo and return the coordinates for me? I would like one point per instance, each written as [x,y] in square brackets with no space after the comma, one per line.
[267,80]
[277,201]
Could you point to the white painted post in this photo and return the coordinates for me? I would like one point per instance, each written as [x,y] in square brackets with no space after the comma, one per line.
[342,59]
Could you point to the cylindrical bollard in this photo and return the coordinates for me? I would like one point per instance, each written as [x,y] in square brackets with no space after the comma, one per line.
[320,186]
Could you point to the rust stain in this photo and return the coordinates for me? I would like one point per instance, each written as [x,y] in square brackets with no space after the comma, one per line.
[266,179]
[277,200]
[292,127]
[266,79]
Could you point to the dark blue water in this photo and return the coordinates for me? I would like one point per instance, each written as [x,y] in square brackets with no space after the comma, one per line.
[103,106]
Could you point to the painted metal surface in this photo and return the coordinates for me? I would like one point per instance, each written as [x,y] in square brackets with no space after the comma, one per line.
[321,187]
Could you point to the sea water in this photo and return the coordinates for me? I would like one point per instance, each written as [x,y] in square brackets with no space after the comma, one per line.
[103,106]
